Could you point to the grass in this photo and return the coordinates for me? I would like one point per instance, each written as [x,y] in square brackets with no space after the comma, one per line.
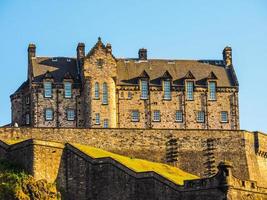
[173,174]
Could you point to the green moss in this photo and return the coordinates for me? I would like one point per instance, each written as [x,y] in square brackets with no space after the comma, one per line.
[174,174]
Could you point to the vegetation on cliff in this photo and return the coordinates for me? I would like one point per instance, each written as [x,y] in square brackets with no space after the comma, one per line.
[15,184]
[174,174]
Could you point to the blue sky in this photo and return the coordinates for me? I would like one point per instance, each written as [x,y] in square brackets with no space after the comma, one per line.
[182,29]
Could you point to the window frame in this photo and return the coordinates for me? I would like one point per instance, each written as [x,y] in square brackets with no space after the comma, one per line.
[176,118]
[135,118]
[199,117]
[189,93]
[96,91]
[105,94]
[227,117]
[156,118]
[144,89]
[46,89]
[52,114]
[27,100]
[74,116]
[65,89]
[97,119]
[105,123]
[212,91]
[167,94]
[27,119]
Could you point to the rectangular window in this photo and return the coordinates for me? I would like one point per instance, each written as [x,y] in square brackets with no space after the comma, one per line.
[105,123]
[47,89]
[156,116]
[201,116]
[167,89]
[70,115]
[135,116]
[48,114]
[68,88]
[27,100]
[212,90]
[97,118]
[224,116]
[96,90]
[105,94]
[27,118]
[144,89]
[189,90]
[179,116]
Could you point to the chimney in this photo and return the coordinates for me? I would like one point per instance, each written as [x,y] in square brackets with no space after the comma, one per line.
[227,56]
[31,54]
[142,53]
[80,54]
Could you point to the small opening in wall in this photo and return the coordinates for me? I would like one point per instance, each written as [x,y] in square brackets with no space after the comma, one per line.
[243,183]
[54,151]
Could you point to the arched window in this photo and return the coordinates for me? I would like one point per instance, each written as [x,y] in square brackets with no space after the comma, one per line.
[97,90]
[105,94]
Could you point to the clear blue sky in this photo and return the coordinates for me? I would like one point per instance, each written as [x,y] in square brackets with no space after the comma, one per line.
[182,29]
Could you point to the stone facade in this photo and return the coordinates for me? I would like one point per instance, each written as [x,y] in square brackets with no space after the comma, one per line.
[106,91]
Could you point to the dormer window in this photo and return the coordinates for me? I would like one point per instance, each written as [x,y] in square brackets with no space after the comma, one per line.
[167,89]
[144,89]
[47,89]
[189,90]
[212,90]
[68,89]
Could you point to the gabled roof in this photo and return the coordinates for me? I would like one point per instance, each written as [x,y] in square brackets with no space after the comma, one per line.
[166,75]
[189,75]
[99,44]
[143,75]
[129,69]
[212,76]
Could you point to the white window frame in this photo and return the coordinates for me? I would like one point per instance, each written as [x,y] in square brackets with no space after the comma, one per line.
[105,94]
[179,116]
[167,89]
[135,115]
[49,114]
[156,116]
[70,114]
[200,116]
[224,116]
[212,90]
[68,89]
[105,123]
[97,118]
[48,89]
[144,89]
[189,90]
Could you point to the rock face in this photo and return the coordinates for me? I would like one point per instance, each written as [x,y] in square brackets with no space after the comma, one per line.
[15,184]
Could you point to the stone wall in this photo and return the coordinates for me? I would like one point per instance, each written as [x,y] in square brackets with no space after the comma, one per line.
[199,151]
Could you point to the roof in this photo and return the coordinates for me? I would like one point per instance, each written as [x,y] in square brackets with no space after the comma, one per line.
[58,67]
[130,69]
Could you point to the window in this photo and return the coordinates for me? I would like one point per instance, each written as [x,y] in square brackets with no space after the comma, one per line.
[97,118]
[68,88]
[48,89]
[27,118]
[224,116]
[100,63]
[105,123]
[70,115]
[212,90]
[135,116]
[156,116]
[144,89]
[48,114]
[190,90]
[27,100]
[200,116]
[167,89]
[129,95]
[179,116]
[97,90]
[105,94]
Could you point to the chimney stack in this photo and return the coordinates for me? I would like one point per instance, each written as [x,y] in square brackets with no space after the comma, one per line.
[80,54]
[31,54]
[109,48]
[142,53]
[227,56]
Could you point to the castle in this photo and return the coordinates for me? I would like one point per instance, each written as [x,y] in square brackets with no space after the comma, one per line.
[97,90]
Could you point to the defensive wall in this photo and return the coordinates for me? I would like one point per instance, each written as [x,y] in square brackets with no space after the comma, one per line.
[196,151]
[79,176]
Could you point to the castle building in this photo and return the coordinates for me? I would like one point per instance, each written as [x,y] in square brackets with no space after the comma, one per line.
[97,90]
